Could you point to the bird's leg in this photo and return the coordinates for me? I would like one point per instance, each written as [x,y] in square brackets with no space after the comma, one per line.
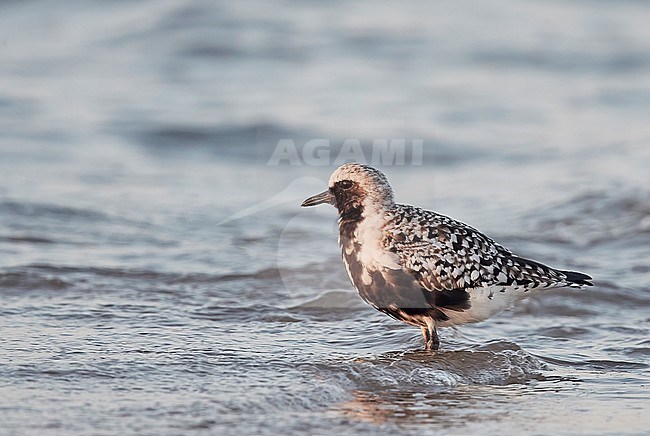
[435,340]
[426,336]
[430,336]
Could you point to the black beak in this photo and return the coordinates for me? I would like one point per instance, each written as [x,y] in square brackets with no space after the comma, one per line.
[323,197]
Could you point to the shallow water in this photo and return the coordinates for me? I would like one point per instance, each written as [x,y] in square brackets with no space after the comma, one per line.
[158,276]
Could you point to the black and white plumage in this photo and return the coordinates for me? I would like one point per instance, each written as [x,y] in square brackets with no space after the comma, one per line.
[423,268]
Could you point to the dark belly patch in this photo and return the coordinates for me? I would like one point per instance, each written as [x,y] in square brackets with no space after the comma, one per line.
[397,293]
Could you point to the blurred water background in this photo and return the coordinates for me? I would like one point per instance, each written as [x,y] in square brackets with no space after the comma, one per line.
[158,277]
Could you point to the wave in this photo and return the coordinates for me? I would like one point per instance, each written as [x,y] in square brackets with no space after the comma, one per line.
[596,364]
[149,274]
[26,240]
[254,141]
[598,217]
[400,384]
[340,300]
[45,210]
[564,62]
[266,142]
[21,280]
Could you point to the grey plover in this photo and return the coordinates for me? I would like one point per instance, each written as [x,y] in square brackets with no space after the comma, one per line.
[424,268]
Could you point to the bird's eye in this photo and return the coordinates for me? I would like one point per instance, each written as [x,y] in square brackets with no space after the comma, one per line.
[346,184]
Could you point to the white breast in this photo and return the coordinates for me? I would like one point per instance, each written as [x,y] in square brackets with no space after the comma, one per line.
[371,251]
[367,247]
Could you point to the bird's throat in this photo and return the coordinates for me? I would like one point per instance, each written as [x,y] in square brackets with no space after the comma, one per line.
[349,218]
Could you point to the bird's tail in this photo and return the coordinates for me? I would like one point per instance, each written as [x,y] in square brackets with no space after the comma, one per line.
[577,279]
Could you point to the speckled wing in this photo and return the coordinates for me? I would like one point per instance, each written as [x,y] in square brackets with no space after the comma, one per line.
[447,255]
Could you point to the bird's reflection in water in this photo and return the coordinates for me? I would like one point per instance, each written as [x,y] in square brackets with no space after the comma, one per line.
[445,409]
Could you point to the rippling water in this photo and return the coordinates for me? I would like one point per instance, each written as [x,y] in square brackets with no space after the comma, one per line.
[157,275]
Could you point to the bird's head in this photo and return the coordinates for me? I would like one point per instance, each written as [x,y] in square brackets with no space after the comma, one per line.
[353,188]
